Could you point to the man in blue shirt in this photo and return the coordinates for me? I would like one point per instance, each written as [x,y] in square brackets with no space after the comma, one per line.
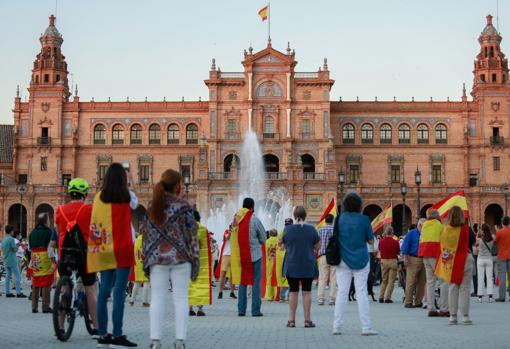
[9,248]
[415,277]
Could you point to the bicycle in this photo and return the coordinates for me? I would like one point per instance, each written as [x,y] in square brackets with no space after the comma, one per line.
[67,302]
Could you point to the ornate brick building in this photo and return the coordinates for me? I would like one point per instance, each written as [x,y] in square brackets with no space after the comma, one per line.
[307,139]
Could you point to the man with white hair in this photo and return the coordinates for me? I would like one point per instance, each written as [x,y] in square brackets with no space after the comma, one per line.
[415,277]
[429,250]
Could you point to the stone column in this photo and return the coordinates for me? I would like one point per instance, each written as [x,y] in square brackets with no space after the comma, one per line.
[288,123]
[250,76]
[288,86]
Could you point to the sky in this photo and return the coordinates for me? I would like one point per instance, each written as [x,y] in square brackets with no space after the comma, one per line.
[157,48]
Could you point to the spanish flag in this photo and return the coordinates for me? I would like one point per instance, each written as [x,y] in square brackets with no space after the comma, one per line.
[385,217]
[455,199]
[240,254]
[263,13]
[110,244]
[41,268]
[137,273]
[331,209]
[454,250]
[200,292]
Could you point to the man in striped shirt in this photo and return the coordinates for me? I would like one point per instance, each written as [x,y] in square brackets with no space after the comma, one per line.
[326,271]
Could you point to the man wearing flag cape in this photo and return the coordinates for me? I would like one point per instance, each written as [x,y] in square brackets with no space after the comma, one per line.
[247,237]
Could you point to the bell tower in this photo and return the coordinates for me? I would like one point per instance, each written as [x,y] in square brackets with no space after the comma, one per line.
[49,73]
[491,66]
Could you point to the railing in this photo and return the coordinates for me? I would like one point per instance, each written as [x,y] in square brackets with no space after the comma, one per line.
[45,141]
[270,135]
[172,141]
[232,75]
[423,141]
[313,176]
[155,141]
[136,141]
[306,136]
[404,141]
[306,75]
[367,141]
[497,140]
[233,135]
[220,175]
[348,140]
[385,140]
[117,141]
[275,175]
[441,141]
[99,141]
[192,141]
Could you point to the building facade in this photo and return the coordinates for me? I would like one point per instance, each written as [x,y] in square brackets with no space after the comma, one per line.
[309,141]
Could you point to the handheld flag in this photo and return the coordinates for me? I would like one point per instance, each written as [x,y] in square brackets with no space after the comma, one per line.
[263,13]
[385,217]
[331,209]
[456,199]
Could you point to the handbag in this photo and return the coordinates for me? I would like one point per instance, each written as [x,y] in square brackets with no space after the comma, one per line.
[493,250]
[333,248]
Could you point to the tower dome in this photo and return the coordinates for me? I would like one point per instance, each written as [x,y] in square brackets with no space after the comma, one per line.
[51,34]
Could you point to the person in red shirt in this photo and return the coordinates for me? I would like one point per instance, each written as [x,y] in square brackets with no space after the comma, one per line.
[389,249]
[503,242]
[77,212]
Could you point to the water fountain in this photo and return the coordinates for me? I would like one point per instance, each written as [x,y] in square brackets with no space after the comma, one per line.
[271,206]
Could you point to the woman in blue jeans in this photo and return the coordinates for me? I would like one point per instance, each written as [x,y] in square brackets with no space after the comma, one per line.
[117,201]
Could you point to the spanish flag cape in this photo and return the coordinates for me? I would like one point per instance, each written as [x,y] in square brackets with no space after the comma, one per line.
[240,259]
[217,271]
[110,244]
[280,256]
[454,247]
[271,275]
[200,292]
[137,274]
[40,268]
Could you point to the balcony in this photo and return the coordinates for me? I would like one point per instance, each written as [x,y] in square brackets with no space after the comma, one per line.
[155,141]
[271,136]
[314,176]
[219,175]
[306,75]
[306,136]
[44,141]
[172,141]
[192,141]
[423,141]
[367,141]
[497,140]
[136,141]
[441,141]
[275,175]
[232,75]
[117,141]
[404,141]
[348,140]
[385,141]
[232,135]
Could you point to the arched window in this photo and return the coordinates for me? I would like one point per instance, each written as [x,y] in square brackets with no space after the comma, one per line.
[154,134]
[269,89]
[404,134]
[423,134]
[367,134]
[136,134]
[272,166]
[348,134]
[268,127]
[385,134]
[441,134]
[229,161]
[173,134]
[99,134]
[192,134]
[118,134]
[308,166]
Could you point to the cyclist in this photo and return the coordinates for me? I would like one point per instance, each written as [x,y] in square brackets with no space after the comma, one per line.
[77,212]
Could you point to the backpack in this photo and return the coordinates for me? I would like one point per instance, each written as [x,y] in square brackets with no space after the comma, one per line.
[74,249]
[333,248]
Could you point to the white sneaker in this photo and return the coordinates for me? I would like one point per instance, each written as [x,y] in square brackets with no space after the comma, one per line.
[179,344]
[466,321]
[369,332]
[336,332]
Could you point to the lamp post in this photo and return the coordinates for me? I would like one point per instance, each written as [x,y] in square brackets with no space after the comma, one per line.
[505,191]
[403,190]
[341,183]
[21,189]
[417,181]
[186,185]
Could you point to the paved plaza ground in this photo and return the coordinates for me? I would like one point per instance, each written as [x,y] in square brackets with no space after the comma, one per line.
[222,328]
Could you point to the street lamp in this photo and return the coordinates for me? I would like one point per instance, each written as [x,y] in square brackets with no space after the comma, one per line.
[21,189]
[403,190]
[341,182]
[186,185]
[505,191]
[417,181]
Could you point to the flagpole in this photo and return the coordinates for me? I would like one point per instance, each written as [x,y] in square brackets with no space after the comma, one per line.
[269,22]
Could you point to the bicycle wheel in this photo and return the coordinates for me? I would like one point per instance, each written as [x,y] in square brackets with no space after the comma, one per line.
[84,311]
[63,312]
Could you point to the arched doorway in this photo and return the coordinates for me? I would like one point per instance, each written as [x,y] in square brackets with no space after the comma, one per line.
[138,217]
[493,215]
[308,166]
[45,208]
[228,162]
[15,212]
[397,218]
[372,211]
[271,165]
[423,211]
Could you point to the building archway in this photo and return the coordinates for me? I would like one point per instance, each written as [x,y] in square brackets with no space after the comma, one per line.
[397,218]
[14,218]
[308,165]
[227,163]
[493,215]
[138,217]
[48,209]
[372,211]
[271,163]
[423,211]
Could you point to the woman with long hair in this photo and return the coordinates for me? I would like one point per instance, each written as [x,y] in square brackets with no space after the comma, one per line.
[485,261]
[170,252]
[110,251]
[455,264]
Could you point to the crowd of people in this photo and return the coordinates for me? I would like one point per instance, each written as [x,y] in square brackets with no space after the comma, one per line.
[173,250]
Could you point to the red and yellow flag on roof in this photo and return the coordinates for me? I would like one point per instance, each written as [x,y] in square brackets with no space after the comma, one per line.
[263,13]
[331,209]
[456,199]
[385,217]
